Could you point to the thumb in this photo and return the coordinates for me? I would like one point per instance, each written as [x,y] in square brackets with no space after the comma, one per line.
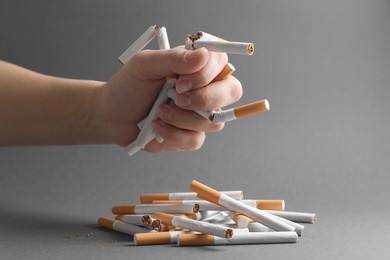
[157,64]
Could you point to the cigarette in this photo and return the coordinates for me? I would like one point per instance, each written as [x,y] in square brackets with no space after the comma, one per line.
[139,220]
[243,221]
[162,38]
[157,238]
[147,134]
[241,238]
[298,227]
[139,44]
[152,208]
[207,193]
[205,205]
[194,225]
[121,226]
[295,216]
[150,197]
[239,112]
[243,48]
[225,72]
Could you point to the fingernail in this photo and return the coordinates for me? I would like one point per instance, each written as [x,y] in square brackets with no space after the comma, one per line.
[183,85]
[164,112]
[191,55]
[183,100]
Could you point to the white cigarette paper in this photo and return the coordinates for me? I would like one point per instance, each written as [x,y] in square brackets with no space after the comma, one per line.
[295,216]
[150,197]
[243,48]
[139,220]
[241,238]
[195,225]
[122,226]
[152,208]
[139,44]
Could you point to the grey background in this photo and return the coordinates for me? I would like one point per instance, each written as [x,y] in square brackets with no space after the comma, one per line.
[323,147]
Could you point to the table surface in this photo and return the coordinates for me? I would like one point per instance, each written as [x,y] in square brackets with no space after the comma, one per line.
[323,147]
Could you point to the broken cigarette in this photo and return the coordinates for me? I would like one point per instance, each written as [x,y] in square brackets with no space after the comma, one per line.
[147,133]
[139,44]
[214,196]
[195,225]
[243,48]
[295,216]
[121,226]
[240,238]
[156,238]
[150,197]
[162,38]
[152,208]
[239,112]
[138,220]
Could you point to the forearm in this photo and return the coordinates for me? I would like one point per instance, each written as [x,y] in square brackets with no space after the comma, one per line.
[40,109]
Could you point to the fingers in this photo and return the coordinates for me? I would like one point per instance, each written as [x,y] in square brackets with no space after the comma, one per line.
[186,119]
[205,75]
[157,64]
[215,95]
[175,139]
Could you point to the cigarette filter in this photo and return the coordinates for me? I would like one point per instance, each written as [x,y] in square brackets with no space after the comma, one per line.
[243,48]
[150,197]
[121,226]
[139,44]
[239,112]
[295,216]
[156,238]
[207,193]
[195,225]
[225,72]
[152,208]
[240,238]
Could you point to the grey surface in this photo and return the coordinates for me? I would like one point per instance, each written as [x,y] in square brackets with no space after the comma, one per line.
[324,147]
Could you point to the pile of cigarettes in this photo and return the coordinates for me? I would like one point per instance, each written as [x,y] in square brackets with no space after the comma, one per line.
[168,92]
[206,216]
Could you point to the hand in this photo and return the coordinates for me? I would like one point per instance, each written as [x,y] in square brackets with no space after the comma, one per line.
[128,97]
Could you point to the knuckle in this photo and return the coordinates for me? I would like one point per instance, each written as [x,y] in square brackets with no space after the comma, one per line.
[196,141]
[204,99]
[236,91]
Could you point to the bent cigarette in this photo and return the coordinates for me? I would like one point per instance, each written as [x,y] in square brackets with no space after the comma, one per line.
[241,238]
[157,238]
[225,72]
[207,193]
[239,112]
[147,133]
[295,216]
[139,44]
[150,197]
[121,226]
[194,225]
[243,48]
[152,208]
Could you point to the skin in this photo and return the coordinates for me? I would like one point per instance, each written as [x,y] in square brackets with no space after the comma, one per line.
[37,109]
